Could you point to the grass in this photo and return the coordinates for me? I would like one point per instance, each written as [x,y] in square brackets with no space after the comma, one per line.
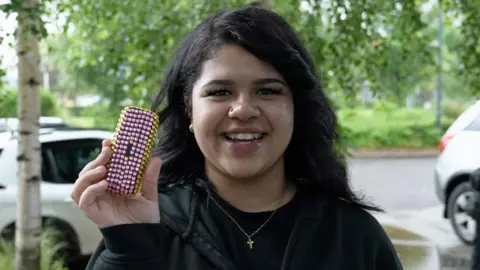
[101,122]
[83,122]
[48,244]
[412,256]
[399,233]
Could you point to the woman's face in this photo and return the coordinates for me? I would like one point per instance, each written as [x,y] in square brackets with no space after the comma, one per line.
[242,114]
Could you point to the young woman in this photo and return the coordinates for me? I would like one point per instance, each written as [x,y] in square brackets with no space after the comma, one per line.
[251,176]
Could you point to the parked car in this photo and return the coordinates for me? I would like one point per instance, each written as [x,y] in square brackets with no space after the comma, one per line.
[4,137]
[64,154]
[459,157]
[9,126]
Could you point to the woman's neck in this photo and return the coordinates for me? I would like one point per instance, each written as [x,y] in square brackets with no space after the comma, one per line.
[262,193]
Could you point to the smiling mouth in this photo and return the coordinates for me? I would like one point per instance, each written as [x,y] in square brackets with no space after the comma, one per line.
[244,137]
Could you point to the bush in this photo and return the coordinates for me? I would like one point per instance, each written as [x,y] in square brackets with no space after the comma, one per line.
[390,127]
[385,125]
[47,259]
[9,100]
[453,109]
[94,116]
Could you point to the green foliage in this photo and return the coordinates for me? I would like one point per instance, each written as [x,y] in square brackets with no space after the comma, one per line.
[469,49]
[49,243]
[9,100]
[2,74]
[121,49]
[453,110]
[385,125]
[94,116]
[372,40]
[388,126]
[32,13]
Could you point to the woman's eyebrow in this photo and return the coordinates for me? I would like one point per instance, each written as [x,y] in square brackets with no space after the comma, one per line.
[269,80]
[221,82]
[257,81]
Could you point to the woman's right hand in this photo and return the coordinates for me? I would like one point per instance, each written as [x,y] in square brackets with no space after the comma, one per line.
[107,209]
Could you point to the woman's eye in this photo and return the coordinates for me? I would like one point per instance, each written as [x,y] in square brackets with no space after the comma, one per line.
[269,91]
[218,92]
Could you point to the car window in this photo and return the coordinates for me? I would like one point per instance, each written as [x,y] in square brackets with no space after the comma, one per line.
[475,125]
[69,157]
[47,174]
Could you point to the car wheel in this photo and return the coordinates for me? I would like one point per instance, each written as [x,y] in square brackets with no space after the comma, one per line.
[463,225]
[63,242]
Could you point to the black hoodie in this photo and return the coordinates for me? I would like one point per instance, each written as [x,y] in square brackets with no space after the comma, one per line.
[327,234]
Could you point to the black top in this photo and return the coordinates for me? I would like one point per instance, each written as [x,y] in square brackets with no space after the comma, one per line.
[327,234]
[269,243]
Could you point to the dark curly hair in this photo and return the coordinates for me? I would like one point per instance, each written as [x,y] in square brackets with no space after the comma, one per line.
[312,156]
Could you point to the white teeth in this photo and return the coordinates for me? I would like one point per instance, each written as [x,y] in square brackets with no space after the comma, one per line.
[244,136]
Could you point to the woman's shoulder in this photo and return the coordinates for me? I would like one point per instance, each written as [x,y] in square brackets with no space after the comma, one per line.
[358,224]
[347,210]
[363,230]
[353,229]
[356,211]
[354,214]
[350,217]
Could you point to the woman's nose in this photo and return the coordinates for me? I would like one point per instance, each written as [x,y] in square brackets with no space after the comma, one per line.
[244,109]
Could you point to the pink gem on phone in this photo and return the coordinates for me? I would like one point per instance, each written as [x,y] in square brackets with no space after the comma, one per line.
[132,145]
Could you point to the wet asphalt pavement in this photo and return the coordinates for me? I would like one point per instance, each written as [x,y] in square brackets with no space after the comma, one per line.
[404,187]
[395,184]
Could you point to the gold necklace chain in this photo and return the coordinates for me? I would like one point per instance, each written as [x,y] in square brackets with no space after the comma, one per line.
[250,242]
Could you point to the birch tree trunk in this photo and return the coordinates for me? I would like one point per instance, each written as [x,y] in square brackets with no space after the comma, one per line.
[28,224]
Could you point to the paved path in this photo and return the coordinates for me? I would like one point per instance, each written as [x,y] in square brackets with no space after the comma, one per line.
[395,184]
[429,223]
[404,187]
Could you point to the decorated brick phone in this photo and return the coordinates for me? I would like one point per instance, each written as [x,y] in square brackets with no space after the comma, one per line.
[132,145]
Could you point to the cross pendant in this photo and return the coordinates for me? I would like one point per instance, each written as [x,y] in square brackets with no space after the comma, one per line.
[250,243]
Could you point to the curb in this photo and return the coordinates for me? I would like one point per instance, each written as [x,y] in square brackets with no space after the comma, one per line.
[393,153]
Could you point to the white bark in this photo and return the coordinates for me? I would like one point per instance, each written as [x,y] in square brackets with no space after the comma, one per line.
[28,223]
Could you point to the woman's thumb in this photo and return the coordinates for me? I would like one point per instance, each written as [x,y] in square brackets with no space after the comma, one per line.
[150,181]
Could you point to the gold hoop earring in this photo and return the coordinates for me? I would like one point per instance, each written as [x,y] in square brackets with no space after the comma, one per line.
[190,128]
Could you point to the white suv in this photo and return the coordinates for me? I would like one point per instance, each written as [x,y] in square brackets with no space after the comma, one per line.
[459,157]
[9,126]
[64,154]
